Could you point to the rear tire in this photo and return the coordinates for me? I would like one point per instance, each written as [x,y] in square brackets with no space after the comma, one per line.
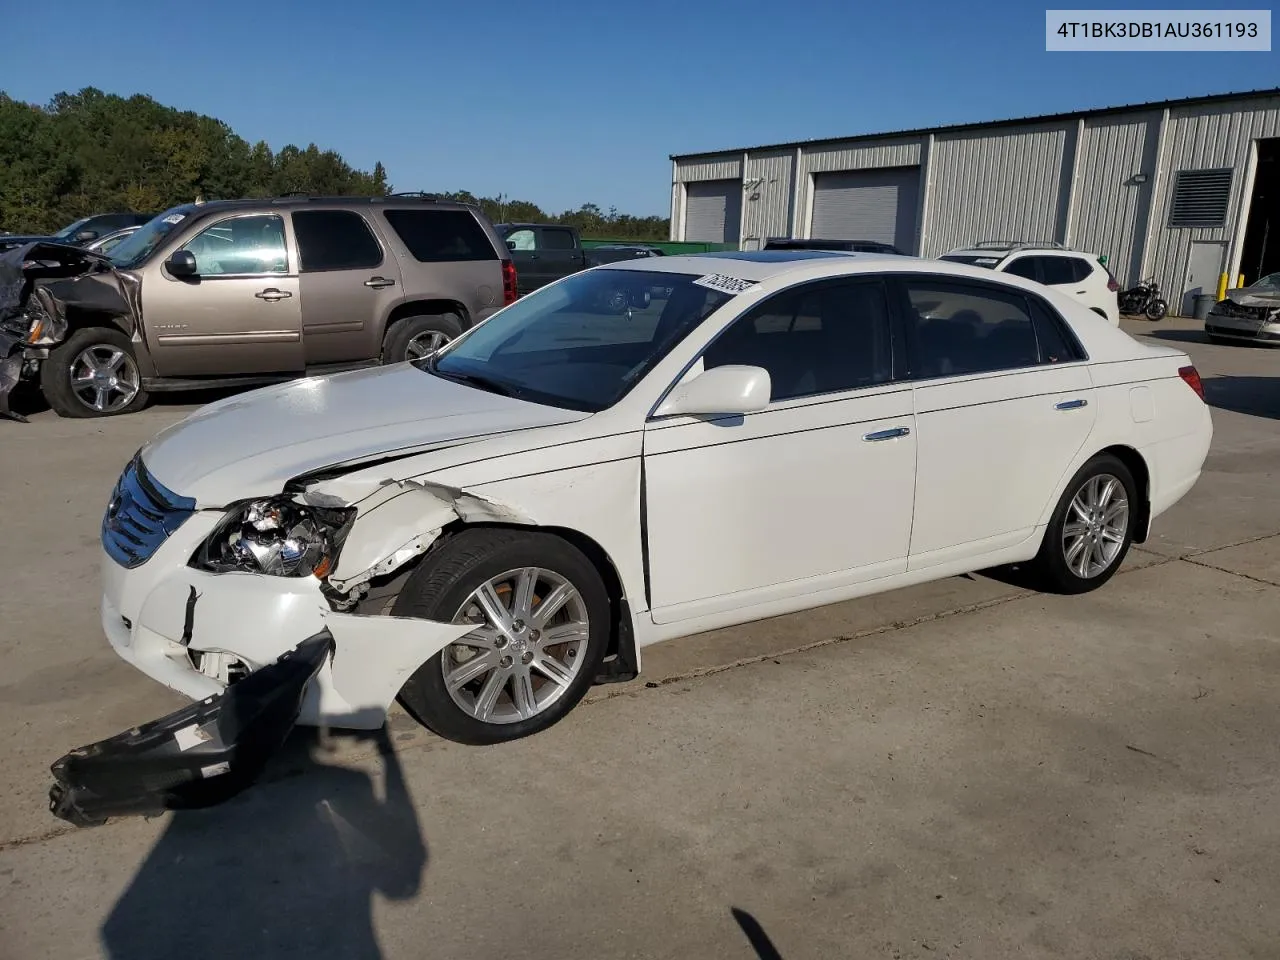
[1091,529]
[412,338]
[492,705]
[93,374]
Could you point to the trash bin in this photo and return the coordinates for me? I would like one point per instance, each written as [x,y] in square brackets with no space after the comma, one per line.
[1204,303]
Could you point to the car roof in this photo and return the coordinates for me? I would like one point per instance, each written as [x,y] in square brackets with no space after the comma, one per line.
[761,265]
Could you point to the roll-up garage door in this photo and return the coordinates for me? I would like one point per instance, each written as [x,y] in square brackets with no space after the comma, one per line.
[867,205]
[713,210]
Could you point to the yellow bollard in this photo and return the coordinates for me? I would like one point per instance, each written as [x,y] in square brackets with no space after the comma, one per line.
[1240,281]
[1222,286]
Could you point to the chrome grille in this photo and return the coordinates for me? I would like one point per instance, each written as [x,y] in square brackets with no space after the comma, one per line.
[141,516]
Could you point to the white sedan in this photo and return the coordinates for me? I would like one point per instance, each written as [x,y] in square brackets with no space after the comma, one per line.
[636,453]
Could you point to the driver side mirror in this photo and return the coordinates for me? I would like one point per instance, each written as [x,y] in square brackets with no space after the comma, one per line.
[182,263]
[511,244]
[731,389]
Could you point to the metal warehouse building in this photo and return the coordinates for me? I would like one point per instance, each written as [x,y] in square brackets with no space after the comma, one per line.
[1183,190]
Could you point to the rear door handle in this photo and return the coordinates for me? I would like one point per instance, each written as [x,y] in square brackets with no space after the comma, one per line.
[379,282]
[1071,404]
[890,434]
[272,294]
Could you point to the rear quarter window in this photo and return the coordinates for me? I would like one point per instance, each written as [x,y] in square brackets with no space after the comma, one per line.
[441,236]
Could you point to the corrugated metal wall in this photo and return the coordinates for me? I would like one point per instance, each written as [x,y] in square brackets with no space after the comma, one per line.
[1001,185]
[766,199]
[1202,138]
[1108,209]
[710,168]
[1067,180]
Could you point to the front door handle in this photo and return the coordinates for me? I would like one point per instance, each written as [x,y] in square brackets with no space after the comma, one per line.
[891,434]
[379,282]
[272,294]
[1071,404]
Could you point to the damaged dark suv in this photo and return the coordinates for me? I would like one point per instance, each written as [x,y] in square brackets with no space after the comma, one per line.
[246,292]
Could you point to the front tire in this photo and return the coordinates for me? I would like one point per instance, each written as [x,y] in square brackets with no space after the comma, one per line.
[542,618]
[1091,530]
[416,337]
[93,374]
[1156,309]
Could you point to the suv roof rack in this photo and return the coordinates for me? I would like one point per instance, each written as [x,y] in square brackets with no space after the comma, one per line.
[1018,245]
[420,194]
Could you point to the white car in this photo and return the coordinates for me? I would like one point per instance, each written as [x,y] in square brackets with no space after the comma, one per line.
[487,532]
[1078,275]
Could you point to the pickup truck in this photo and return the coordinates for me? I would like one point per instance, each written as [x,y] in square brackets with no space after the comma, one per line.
[542,252]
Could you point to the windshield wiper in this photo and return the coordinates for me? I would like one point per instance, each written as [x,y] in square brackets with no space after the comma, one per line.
[475,380]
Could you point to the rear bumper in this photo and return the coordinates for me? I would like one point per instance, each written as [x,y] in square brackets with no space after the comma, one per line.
[197,756]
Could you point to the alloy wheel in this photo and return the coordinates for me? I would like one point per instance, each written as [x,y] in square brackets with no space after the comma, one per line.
[425,344]
[104,378]
[527,649]
[1096,526]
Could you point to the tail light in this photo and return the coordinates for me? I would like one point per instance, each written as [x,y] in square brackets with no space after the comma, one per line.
[1111,284]
[509,295]
[1191,377]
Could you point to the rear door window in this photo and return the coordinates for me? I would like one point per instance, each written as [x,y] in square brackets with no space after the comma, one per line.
[335,240]
[960,328]
[1025,267]
[556,239]
[434,236]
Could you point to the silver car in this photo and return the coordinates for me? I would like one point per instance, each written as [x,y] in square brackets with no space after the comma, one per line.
[1249,313]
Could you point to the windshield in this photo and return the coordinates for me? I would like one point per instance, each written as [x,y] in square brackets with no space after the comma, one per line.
[136,248]
[973,259]
[582,343]
[70,230]
[1270,280]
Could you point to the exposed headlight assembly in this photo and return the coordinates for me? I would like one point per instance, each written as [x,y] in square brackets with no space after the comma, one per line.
[277,537]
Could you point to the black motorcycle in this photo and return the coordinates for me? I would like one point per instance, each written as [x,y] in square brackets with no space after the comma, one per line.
[1144,300]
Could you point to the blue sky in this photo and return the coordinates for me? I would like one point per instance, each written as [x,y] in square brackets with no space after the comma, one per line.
[564,103]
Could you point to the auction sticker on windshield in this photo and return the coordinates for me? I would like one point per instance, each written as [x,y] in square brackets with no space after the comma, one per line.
[718,281]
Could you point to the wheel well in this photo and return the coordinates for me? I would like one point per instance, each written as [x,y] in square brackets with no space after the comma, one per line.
[418,308]
[81,319]
[1132,459]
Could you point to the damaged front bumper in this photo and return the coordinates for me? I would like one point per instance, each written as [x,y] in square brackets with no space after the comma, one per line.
[39,282]
[198,756]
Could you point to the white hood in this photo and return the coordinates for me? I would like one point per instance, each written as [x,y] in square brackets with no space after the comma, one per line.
[252,444]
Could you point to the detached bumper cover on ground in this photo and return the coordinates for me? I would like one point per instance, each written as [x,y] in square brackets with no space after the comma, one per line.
[198,756]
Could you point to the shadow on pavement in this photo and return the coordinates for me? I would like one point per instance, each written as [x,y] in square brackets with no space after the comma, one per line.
[755,935]
[288,869]
[1257,396]
[1182,336]
[27,400]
